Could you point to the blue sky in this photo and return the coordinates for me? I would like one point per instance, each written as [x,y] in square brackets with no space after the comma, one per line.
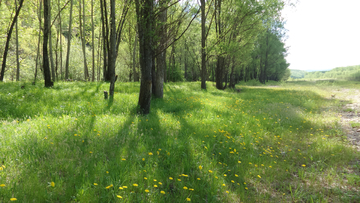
[323,34]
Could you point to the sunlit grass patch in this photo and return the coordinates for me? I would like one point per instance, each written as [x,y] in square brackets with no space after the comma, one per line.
[262,144]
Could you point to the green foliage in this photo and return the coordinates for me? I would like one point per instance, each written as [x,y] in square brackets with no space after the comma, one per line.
[297,74]
[68,144]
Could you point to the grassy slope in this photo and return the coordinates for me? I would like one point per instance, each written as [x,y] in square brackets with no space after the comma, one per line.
[264,144]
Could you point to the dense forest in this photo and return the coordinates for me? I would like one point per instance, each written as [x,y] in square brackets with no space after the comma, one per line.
[148,41]
[342,73]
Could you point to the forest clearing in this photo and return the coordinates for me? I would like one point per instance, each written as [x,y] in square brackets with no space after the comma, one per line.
[285,142]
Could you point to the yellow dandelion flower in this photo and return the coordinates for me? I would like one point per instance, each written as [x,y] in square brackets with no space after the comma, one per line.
[109,186]
[107,171]
[239,162]
[191,189]
[188,199]
[119,196]
[155,186]
[155,180]
[52,184]
[13,199]
[259,176]
[185,188]
[147,190]
[121,188]
[198,179]
[160,183]
[223,184]
[246,188]
[210,171]
[143,159]
[135,185]
[200,167]
[236,175]
[179,179]
[225,175]
[145,178]
[232,181]
[227,191]
[270,166]
[150,153]
[170,178]
[123,159]
[303,165]
[2,185]
[124,187]
[162,192]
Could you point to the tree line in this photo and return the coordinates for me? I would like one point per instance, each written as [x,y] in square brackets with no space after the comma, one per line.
[146,41]
[342,73]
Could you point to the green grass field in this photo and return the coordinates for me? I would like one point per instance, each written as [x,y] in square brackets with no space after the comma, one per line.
[264,144]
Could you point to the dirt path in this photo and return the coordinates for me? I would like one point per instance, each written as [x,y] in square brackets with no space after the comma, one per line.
[350,114]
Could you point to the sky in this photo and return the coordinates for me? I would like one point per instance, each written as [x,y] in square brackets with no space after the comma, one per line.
[323,34]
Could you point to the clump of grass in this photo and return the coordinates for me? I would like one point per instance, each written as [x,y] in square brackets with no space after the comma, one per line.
[265,144]
[355,125]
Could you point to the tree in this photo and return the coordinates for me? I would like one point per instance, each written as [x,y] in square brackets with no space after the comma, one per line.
[69,43]
[144,12]
[8,41]
[46,65]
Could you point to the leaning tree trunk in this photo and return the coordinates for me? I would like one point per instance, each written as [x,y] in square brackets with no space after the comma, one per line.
[144,11]
[17,48]
[8,41]
[46,67]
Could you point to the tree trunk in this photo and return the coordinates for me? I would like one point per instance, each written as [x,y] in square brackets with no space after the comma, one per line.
[17,48]
[82,38]
[105,34]
[8,41]
[92,41]
[112,58]
[50,47]
[144,11]
[161,57]
[46,68]
[39,40]
[68,47]
[136,77]
[203,46]
[61,46]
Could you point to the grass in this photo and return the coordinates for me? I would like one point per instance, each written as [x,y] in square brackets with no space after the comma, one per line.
[265,144]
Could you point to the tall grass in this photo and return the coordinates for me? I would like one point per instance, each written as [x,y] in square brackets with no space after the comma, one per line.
[68,144]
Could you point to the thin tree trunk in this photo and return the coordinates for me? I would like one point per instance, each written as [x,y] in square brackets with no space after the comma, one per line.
[99,54]
[203,46]
[68,46]
[92,41]
[50,47]
[61,45]
[46,68]
[136,77]
[8,41]
[82,37]
[17,48]
[38,49]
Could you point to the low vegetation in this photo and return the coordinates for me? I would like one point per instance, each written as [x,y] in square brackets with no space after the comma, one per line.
[278,143]
[340,73]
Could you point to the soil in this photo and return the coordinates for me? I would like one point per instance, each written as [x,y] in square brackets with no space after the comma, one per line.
[350,114]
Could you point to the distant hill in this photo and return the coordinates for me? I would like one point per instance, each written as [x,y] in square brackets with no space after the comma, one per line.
[344,73]
[297,74]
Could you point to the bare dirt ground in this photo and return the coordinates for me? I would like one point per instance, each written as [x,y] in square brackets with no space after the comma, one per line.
[350,114]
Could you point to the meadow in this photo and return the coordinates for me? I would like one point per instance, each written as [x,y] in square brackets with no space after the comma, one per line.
[277,143]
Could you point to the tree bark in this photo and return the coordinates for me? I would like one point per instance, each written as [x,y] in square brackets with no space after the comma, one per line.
[8,41]
[144,11]
[68,46]
[46,67]
[136,76]
[39,40]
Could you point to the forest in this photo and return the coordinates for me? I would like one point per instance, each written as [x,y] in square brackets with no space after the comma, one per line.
[156,41]
[223,126]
